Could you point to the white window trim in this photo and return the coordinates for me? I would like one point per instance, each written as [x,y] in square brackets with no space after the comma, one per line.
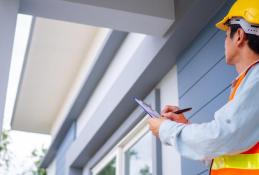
[119,150]
[110,156]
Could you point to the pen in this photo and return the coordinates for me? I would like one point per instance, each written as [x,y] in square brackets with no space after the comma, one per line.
[182,110]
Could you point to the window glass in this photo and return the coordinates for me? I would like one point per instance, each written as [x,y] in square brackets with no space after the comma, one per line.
[109,169]
[138,158]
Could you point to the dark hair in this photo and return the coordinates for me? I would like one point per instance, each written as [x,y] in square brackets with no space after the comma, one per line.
[253,40]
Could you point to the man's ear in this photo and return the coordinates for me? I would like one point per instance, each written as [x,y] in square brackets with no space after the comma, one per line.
[240,37]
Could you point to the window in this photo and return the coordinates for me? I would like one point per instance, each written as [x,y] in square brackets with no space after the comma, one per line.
[137,158]
[133,155]
[108,166]
[109,169]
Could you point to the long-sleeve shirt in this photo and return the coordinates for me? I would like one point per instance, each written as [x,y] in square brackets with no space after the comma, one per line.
[235,127]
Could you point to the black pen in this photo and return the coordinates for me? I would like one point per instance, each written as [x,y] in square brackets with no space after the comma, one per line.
[182,110]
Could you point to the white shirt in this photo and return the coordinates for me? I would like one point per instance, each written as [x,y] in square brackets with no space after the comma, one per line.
[235,127]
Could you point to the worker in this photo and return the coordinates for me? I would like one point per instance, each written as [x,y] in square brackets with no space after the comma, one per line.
[231,139]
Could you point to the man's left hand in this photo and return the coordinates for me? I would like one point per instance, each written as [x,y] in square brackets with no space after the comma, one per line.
[154,125]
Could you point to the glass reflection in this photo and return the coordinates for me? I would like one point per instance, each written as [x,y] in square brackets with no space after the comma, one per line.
[138,159]
[109,169]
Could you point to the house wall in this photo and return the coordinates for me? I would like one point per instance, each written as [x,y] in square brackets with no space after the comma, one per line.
[200,80]
[204,80]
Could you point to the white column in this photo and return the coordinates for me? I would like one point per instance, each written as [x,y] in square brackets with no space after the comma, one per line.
[8,16]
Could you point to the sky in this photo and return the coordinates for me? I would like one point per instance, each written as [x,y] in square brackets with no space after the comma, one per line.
[22,143]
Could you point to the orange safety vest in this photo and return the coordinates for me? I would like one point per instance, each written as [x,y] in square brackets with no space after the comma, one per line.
[246,163]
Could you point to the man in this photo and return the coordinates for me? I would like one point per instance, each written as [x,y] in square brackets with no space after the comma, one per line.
[232,138]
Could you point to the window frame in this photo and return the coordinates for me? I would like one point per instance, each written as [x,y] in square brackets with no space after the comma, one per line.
[118,152]
[131,139]
[104,162]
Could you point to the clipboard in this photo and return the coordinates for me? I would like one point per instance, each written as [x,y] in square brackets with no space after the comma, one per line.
[153,113]
[147,108]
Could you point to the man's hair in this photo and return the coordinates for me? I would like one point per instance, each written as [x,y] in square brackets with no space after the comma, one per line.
[253,40]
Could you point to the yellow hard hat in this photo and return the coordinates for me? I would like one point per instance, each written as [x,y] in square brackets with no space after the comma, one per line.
[246,9]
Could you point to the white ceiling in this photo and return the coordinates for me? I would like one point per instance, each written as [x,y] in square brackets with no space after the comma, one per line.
[56,53]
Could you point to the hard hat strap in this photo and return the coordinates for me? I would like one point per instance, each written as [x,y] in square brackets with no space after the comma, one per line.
[247,27]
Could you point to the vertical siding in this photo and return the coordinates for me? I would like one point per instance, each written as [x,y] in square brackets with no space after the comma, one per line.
[61,154]
[204,80]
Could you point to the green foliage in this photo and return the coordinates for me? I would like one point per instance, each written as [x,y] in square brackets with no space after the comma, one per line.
[5,154]
[7,158]
[109,169]
[38,155]
[133,153]
[145,171]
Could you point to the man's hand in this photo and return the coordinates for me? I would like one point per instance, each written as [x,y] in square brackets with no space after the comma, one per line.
[168,112]
[154,125]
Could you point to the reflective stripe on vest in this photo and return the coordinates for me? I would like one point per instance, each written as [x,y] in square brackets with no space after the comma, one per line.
[249,161]
[246,163]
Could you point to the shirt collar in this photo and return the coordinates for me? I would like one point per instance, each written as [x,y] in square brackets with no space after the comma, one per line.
[248,67]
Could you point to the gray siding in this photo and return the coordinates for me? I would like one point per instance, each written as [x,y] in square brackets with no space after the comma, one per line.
[204,80]
[61,166]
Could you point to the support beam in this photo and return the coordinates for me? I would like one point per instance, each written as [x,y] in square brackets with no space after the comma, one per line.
[8,17]
[162,8]
[141,16]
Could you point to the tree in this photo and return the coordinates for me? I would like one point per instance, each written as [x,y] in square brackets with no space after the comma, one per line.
[145,170]
[109,169]
[5,154]
[8,161]
[38,155]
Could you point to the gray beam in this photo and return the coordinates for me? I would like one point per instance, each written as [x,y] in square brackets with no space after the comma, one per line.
[152,60]
[162,8]
[144,16]
[110,47]
[8,16]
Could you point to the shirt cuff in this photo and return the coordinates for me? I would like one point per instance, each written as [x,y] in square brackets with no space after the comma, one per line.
[168,131]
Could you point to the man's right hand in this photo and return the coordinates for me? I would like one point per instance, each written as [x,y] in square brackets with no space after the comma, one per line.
[168,112]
